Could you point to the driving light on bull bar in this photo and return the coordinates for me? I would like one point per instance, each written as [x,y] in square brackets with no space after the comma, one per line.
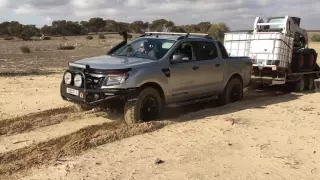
[67,78]
[115,79]
[78,80]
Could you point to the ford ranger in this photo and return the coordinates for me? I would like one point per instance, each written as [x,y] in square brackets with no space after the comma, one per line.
[154,71]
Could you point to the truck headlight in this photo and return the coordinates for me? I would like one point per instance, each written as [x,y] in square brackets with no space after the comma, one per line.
[115,79]
[67,78]
[78,80]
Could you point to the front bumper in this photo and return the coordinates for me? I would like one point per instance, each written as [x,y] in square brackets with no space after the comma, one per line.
[89,96]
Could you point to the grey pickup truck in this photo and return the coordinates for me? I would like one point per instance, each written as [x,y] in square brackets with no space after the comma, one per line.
[155,71]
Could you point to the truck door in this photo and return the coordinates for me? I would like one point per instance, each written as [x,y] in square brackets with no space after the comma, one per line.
[210,72]
[183,81]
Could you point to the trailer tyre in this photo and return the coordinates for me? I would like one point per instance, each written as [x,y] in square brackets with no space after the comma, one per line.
[299,86]
[309,82]
[147,106]
[232,93]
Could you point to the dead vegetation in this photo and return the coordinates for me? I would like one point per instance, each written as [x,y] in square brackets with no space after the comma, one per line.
[25,49]
[89,37]
[66,47]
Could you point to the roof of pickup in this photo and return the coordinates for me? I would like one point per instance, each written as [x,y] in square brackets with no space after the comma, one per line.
[176,37]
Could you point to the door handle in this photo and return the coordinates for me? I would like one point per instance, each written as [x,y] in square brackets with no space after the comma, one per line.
[218,65]
[195,68]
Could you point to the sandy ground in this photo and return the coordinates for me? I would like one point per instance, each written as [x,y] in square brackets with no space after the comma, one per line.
[27,94]
[277,139]
[269,135]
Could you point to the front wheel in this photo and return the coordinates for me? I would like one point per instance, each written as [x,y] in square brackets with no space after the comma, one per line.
[147,106]
[232,93]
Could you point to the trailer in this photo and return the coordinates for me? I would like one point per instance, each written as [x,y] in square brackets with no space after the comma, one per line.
[279,51]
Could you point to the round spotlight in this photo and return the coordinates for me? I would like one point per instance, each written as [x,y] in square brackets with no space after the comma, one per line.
[67,78]
[78,80]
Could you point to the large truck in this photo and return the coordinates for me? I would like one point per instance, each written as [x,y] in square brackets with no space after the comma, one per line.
[278,47]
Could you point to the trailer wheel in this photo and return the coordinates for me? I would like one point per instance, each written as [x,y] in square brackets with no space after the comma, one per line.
[309,79]
[299,86]
[147,106]
[232,93]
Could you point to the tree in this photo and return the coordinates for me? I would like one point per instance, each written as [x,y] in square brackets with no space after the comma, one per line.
[161,25]
[85,27]
[111,25]
[46,30]
[177,29]
[137,26]
[96,24]
[217,31]
[28,31]
[123,26]
[4,28]
[15,28]
[204,27]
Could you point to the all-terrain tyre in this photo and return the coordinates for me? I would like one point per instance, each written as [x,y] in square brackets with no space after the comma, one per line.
[233,92]
[147,106]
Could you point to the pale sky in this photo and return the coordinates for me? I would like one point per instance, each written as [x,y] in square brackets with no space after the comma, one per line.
[237,14]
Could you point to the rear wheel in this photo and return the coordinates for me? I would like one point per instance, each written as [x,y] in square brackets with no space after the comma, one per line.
[232,93]
[147,106]
[299,86]
[309,79]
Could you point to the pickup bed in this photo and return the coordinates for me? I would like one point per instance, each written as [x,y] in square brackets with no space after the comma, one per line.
[154,71]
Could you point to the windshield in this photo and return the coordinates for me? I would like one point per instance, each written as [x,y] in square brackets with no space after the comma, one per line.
[146,48]
[276,20]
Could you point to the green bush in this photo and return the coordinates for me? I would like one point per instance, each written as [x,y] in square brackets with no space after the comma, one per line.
[102,36]
[89,37]
[316,38]
[25,49]
[66,48]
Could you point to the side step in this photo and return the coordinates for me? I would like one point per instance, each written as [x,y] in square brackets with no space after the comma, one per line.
[198,100]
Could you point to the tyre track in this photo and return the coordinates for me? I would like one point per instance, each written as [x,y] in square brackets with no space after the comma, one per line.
[70,145]
[32,121]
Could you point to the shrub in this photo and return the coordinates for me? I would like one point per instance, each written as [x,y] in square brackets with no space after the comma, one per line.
[9,38]
[316,38]
[102,36]
[66,48]
[46,38]
[89,37]
[25,49]
[38,34]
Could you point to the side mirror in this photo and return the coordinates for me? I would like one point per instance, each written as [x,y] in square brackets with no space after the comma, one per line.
[177,58]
